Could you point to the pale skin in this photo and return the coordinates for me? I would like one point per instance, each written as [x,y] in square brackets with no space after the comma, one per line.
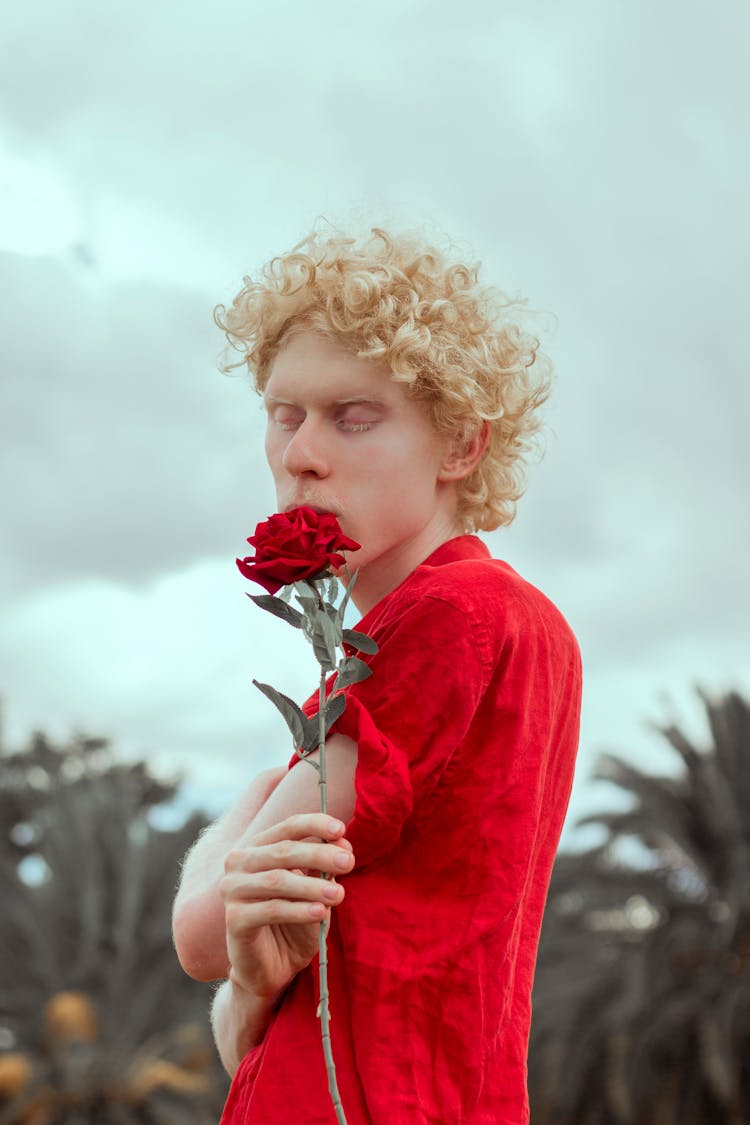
[343,437]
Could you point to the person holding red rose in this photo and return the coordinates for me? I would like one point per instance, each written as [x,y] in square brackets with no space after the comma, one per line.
[402,396]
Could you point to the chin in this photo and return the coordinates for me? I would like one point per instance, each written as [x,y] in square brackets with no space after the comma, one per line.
[351,561]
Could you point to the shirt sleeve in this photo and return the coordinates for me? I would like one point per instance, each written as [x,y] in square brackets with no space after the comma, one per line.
[409,717]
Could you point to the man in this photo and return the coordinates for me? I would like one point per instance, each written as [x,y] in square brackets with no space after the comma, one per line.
[401,396]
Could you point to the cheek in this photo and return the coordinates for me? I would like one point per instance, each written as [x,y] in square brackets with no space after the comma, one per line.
[274,449]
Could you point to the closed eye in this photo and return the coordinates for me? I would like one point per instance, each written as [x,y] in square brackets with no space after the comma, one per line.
[285,417]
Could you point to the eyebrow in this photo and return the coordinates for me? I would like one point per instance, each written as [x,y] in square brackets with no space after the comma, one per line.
[349,400]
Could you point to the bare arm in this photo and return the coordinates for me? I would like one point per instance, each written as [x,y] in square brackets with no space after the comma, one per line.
[275,901]
[199,923]
[248,908]
[239,1021]
[198,912]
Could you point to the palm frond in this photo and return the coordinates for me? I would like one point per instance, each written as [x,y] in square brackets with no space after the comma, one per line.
[642,989]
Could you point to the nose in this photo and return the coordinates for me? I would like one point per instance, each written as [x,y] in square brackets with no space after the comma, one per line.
[305,452]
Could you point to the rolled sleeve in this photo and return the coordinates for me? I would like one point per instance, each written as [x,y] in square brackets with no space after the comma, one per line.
[409,718]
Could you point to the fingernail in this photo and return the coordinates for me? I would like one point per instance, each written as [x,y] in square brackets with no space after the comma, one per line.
[343,860]
[335,826]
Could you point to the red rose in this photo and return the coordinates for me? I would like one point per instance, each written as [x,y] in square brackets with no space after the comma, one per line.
[292,546]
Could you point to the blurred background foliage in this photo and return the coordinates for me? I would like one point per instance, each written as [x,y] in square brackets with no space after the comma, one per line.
[98,1023]
[642,993]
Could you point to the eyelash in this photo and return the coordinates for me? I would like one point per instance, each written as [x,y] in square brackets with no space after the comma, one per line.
[352,428]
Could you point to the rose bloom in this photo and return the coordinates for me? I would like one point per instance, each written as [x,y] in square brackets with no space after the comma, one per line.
[292,546]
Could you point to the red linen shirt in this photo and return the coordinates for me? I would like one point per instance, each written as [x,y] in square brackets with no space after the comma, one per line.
[467,732]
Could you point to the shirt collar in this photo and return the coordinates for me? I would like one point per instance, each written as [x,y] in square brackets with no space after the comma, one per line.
[462,547]
[453,550]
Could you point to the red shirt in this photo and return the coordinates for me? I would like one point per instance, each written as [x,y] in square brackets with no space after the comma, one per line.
[467,732]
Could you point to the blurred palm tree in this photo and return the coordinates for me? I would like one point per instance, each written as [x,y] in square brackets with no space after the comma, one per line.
[642,992]
[98,1023]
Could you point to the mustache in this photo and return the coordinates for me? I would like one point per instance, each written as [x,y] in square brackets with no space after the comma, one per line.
[318,503]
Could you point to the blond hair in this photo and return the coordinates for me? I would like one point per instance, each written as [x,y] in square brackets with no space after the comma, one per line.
[458,345]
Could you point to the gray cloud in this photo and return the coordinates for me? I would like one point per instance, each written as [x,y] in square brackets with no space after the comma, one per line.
[125,450]
[593,156]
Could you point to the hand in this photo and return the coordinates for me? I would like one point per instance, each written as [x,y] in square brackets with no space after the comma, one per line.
[275,899]
[198,923]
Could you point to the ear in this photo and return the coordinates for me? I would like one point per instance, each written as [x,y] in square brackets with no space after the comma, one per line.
[464,454]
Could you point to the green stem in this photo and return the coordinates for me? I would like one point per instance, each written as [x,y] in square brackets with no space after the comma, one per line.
[323,1010]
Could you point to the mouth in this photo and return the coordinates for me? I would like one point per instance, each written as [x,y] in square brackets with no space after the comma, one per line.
[319,508]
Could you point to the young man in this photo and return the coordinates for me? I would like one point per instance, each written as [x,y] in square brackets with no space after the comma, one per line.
[401,396]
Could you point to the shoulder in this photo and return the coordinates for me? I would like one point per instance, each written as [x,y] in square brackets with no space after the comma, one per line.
[485,589]
[489,602]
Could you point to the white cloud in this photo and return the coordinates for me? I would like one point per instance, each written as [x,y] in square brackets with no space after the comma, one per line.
[165,669]
[38,213]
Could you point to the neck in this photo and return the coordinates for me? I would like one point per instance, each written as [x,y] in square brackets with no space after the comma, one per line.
[384,574]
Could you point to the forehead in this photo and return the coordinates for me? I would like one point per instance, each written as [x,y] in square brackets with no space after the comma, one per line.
[318,368]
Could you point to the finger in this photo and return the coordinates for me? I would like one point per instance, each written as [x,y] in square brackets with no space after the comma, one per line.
[288,855]
[298,826]
[245,919]
[342,842]
[280,884]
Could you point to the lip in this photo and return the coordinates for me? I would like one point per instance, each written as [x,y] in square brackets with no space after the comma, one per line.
[315,507]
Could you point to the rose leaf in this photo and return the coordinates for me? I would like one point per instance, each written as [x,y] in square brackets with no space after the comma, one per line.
[324,642]
[351,579]
[335,708]
[305,590]
[352,671]
[293,716]
[360,641]
[278,608]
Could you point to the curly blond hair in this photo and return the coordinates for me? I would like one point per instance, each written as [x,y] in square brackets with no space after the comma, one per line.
[458,345]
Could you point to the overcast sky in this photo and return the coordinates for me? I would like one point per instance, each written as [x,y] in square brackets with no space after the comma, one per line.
[593,155]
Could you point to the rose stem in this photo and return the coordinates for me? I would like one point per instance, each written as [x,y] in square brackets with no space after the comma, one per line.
[325,1030]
